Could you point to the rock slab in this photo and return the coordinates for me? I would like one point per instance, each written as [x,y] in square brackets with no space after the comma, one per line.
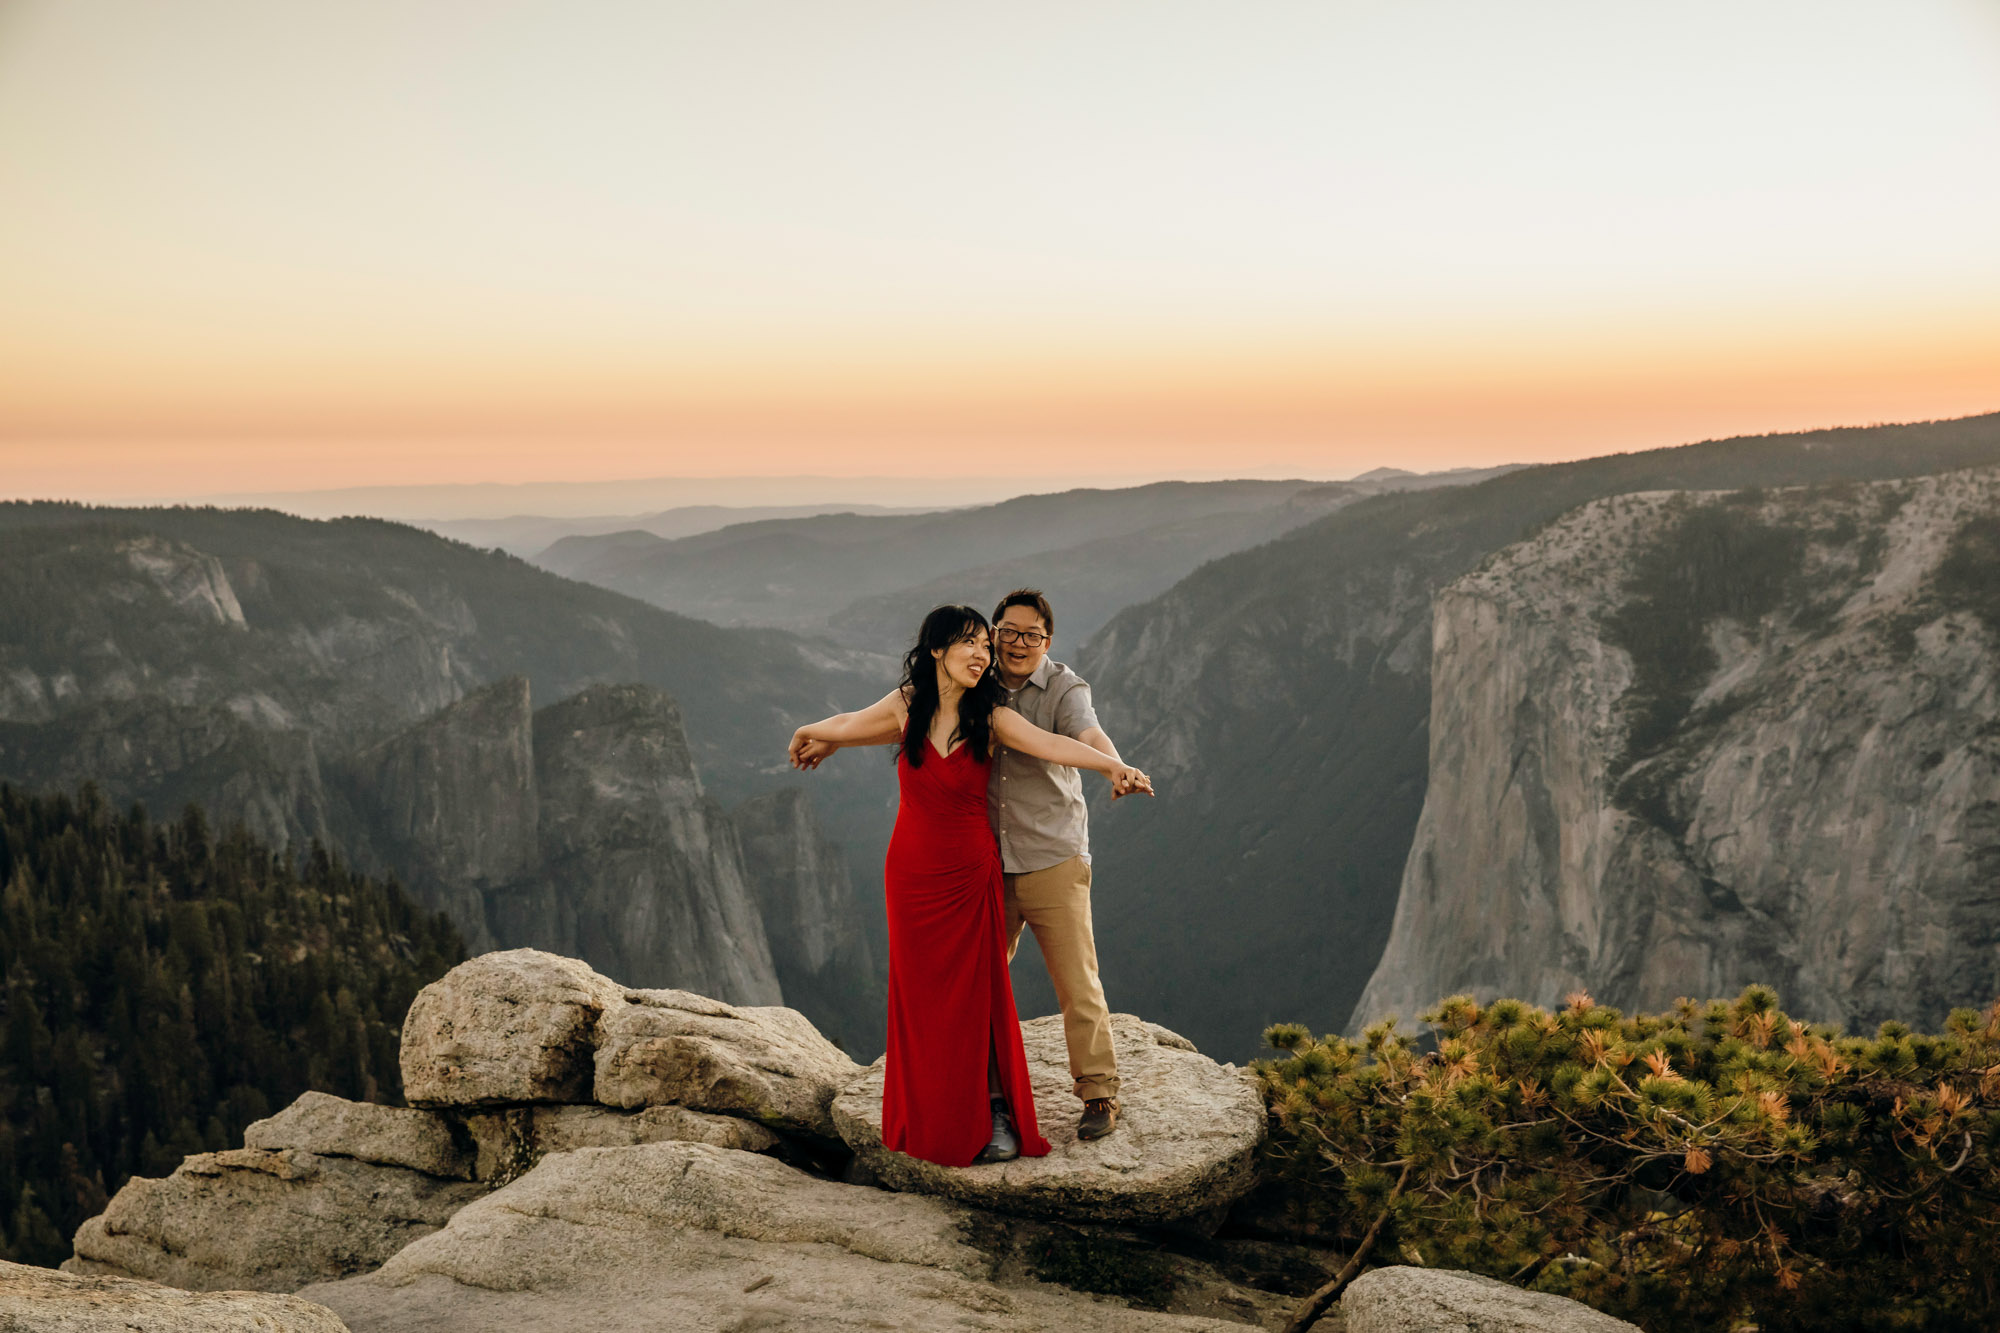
[330,1126]
[508,1143]
[1430,1300]
[765,1062]
[42,1300]
[265,1221]
[504,1028]
[1183,1151]
[706,1240]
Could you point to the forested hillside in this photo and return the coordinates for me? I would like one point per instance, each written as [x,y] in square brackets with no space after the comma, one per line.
[165,985]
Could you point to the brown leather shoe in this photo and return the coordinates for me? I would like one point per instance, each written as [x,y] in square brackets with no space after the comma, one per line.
[1100,1117]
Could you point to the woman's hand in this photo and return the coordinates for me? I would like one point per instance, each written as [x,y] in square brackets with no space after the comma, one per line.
[1126,780]
[806,753]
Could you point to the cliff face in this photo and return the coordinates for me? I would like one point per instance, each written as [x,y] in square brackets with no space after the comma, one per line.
[1685,742]
[581,827]
[640,873]
[451,802]
[818,925]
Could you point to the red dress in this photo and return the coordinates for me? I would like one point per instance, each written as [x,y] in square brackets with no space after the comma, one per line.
[950,1000]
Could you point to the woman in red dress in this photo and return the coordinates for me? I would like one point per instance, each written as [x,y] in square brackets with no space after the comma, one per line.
[956,1086]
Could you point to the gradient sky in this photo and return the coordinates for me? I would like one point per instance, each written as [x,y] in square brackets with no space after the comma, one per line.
[251,246]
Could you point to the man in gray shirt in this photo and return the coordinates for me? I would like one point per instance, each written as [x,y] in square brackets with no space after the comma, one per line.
[1044,829]
[1043,826]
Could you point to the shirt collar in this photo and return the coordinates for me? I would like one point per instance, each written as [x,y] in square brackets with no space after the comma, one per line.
[1039,677]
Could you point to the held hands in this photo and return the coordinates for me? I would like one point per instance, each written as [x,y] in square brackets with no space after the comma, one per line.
[808,754]
[1125,780]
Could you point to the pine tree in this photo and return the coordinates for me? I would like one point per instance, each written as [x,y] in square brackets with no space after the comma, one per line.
[162,985]
[1692,1170]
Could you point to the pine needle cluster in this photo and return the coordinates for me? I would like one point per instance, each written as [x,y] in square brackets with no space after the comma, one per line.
[1718,1166]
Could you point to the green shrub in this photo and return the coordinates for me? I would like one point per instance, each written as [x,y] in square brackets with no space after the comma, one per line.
[1687,1170]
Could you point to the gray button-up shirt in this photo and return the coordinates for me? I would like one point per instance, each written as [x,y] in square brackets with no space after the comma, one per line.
[1037,807]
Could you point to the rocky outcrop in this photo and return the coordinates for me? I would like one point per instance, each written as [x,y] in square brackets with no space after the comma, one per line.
[264,1220]
[193,582]
[725,1241]
[1429,1300]
[638,870]
[39,1300]
[766,1063]
[1681,743]
[512,1200]
[1187,1134]
[329,1187]
[332,1126]
[504,1028]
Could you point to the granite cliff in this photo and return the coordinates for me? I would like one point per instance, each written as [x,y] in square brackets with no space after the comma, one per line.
[1281,697]
[584,827]
[1682,742]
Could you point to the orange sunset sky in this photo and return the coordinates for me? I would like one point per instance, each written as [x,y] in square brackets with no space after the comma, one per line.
[248,247]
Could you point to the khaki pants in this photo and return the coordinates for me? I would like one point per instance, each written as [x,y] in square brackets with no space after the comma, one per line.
[1055,903]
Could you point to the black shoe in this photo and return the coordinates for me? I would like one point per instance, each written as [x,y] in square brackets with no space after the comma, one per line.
[1004,1146]
[1100,1117]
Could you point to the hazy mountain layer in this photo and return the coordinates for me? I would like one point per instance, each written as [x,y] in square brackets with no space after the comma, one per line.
[528,535]
[1281,697]
[1683,742]
[349,630]
[819,574]
[867,581]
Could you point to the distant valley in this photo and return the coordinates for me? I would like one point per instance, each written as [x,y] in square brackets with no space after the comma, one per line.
[528,535]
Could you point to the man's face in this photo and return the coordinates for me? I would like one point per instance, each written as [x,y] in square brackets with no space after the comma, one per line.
[1015,637]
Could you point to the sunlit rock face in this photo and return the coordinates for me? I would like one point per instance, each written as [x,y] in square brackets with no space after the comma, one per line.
[1682,742]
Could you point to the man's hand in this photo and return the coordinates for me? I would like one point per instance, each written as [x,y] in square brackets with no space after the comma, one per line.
[1126,780]
[809,754]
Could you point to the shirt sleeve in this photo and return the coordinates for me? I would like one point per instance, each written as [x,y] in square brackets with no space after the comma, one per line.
[1074,715]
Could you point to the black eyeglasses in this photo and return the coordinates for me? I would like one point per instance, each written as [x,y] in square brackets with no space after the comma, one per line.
[1034,638]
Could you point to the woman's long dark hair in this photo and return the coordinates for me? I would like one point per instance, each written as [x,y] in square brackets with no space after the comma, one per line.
[942,628]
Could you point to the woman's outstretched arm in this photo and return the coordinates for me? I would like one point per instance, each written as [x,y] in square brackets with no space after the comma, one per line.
[1017,733]
[880,723]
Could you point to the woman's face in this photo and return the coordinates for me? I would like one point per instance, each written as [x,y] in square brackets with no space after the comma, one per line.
[966,660]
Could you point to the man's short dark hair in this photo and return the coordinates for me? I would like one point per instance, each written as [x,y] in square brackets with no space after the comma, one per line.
[1032,599]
